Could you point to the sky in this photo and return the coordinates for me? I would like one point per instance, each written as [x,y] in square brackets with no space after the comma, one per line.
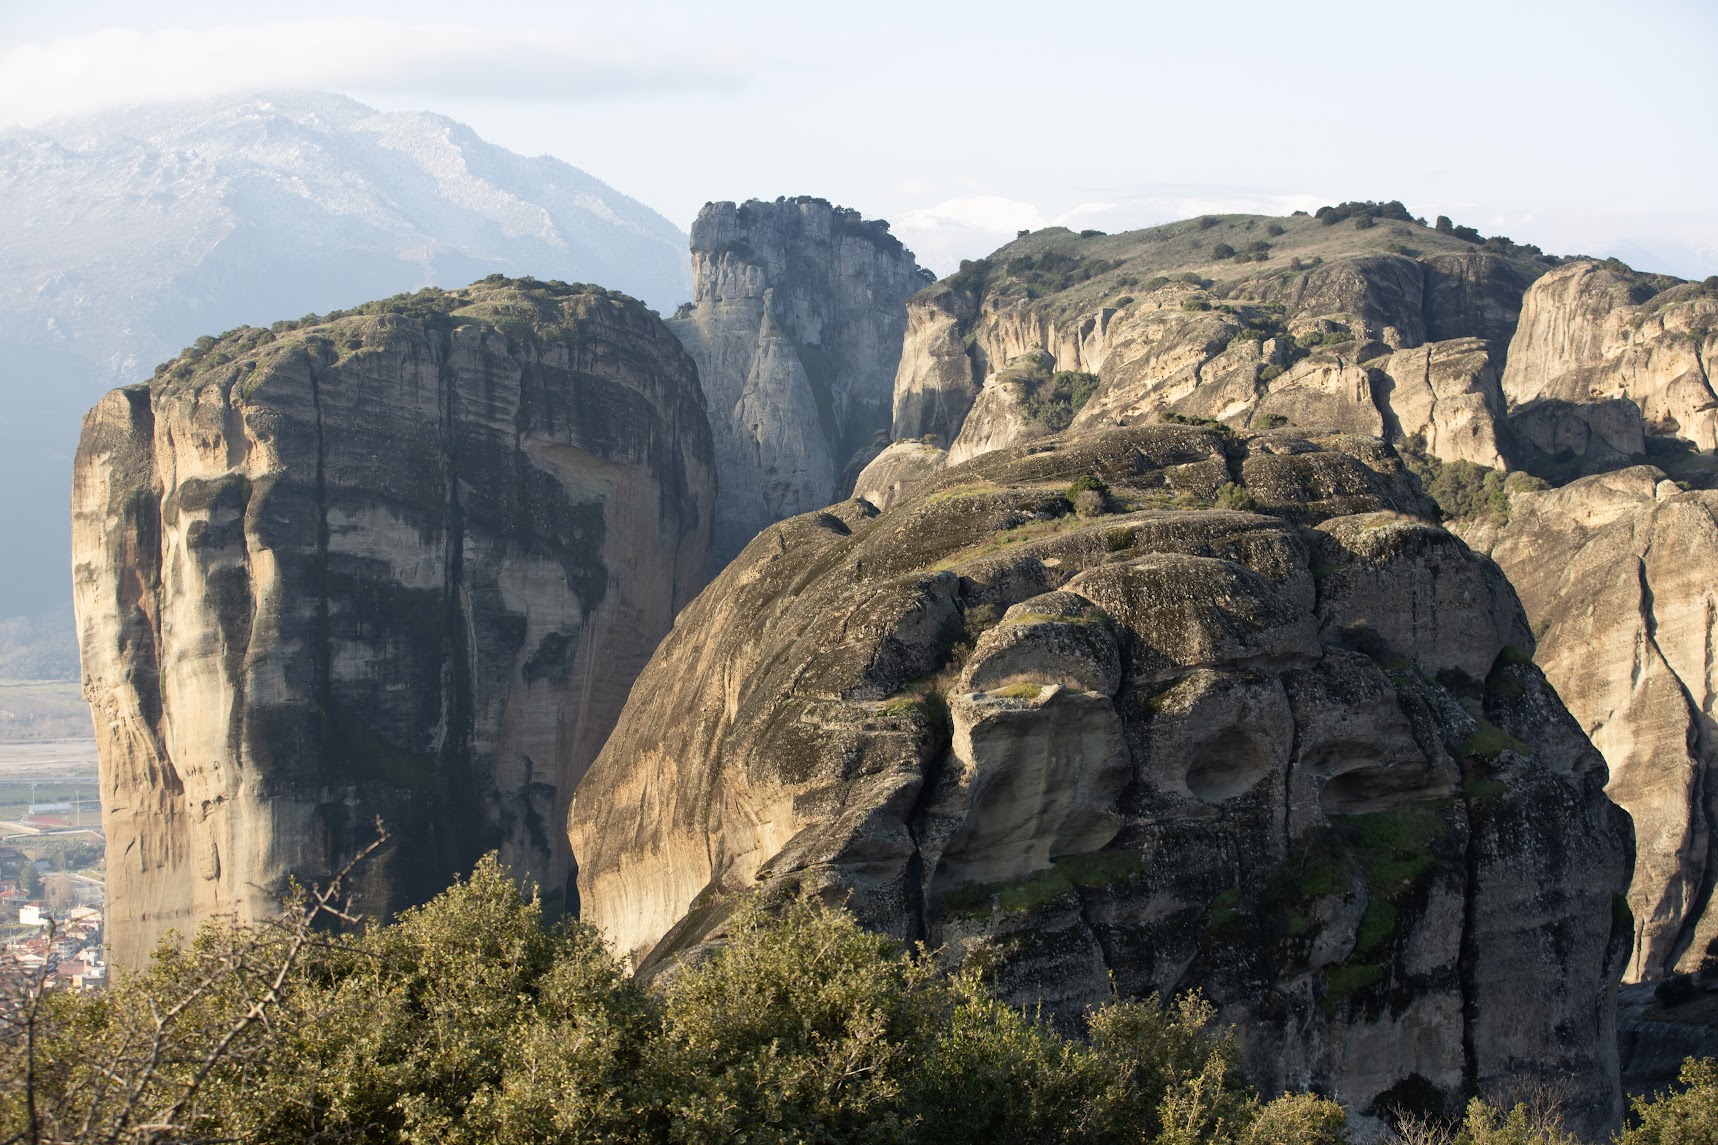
[1581,127]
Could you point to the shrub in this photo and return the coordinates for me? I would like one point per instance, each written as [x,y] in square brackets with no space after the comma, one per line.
[1195,303]
[1206,222]
[1275,229]
[1052,399]
[1222,250]
[1462,489]
[1231,495]
[1686,1118]
[1522,1125]
[1091,233]
[972,277]
[469,1020]
[1124,300]
[1089,495]
[1330,216]
[1338,335]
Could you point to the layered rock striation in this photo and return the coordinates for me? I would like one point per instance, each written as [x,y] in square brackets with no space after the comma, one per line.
[1290,751]
[1615,572]
[403,561]
[796,327]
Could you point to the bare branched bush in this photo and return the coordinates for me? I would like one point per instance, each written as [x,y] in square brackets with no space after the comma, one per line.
[136,1064]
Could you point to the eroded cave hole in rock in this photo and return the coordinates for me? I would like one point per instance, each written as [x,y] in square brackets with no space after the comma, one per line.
[1230,765]
[1376,788]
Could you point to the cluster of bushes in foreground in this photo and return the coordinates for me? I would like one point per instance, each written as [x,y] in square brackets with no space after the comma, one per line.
[468,1020]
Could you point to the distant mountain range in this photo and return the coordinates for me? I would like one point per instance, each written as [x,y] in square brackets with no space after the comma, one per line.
[128,235]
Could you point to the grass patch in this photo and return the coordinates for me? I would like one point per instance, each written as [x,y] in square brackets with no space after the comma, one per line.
[1008,538]
[1394,847]
[1070,872]
[1020,691]
[976,489]
[1225,909]
[1344,981]
[1377,925]
[1489,741]
[1486,790]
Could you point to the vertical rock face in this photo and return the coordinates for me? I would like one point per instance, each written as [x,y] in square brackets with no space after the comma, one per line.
[796,325]
[404,561]
[1615,571]
[1296,758]
[1593,332]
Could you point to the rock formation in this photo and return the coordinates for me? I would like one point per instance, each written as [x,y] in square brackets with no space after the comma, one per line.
[894,474]
[1615,572]
[1596,332]
[1290,752]
[404,561]
[1317,326]
[796,327]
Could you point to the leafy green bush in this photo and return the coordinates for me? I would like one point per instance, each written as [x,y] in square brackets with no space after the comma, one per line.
[468,1021]
[1467,234]
[1462,489]
[1231,495]
[1089,495]
[1052,399]
[1686,1118]
[1367,209]
[1314,339]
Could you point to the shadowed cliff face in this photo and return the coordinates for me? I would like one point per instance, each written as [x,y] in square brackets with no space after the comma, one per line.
[402,562]
[1615,572]
[796,329]
[1295,757]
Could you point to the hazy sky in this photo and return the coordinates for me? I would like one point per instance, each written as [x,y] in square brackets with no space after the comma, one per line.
[1583,127]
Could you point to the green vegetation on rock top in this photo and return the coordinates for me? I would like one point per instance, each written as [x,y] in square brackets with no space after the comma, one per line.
[1065,272]
[516,306]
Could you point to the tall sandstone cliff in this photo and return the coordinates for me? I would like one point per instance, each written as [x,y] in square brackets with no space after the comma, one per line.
[1295,757]
[1593,335]
[404,561]
[1616,574]
[1244,319]
[796,326]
